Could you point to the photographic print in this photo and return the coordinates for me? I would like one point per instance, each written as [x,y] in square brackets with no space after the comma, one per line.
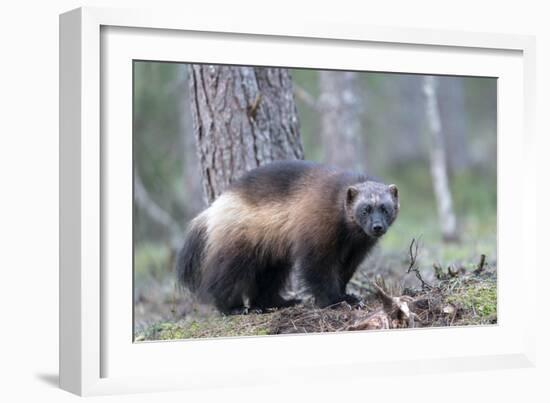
[274,200]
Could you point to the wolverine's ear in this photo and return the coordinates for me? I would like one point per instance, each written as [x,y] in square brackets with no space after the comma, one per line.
[394,192]
[351,193]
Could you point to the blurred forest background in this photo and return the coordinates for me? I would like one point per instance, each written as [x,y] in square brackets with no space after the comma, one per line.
[433,136]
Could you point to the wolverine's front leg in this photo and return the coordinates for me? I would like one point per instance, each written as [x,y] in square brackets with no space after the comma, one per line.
[345,274]
[323,281]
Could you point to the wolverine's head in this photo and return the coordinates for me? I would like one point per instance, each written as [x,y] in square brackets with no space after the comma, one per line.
[373,206]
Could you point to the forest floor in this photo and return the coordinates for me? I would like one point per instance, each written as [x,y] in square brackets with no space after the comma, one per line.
[454,296]
[453,292]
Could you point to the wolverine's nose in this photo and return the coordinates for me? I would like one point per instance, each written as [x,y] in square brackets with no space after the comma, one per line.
[377,229]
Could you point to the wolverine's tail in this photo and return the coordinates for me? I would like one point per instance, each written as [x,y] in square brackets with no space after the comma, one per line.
[190,256]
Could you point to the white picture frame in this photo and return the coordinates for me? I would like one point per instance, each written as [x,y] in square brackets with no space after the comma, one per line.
[97,355]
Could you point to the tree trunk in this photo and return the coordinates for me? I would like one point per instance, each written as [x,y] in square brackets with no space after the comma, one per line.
[453,120]
[438,163]
[409,145]
[243,117]
[340,104]
[192,199]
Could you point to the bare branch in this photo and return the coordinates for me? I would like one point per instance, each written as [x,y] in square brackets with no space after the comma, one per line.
[303,95]
[413,255]
[397,309]
[153,210]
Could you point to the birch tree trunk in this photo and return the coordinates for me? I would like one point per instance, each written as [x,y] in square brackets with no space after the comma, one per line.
[340,105]
[438,163]
[243,117]
[453,120]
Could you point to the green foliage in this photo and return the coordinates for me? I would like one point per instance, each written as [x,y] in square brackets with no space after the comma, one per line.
[150,260]
[156,119]
[156,146]
[309,122]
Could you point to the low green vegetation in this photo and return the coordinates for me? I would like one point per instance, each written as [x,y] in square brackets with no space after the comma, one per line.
[214,326]
[474,196]
[478,303]
[468,297]
[150,260]
[162,312]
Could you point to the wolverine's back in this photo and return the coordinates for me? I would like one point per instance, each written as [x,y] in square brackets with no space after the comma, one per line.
[283,179]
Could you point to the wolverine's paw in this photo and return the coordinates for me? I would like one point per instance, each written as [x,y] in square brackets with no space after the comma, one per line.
[354,301]
[244,310]
[279,303]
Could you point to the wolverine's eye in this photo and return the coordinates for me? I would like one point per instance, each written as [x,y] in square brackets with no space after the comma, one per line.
[368,209]
[386,209]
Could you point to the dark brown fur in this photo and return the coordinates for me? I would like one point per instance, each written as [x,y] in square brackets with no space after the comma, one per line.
[240,251]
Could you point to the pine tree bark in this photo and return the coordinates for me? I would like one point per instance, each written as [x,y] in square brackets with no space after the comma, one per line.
[341,106]
[243,117]
[192,200]
[438,162]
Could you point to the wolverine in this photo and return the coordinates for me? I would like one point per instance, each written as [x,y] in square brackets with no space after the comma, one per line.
[319,220]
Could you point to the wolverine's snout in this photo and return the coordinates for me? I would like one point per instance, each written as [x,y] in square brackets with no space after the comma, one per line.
[378,229]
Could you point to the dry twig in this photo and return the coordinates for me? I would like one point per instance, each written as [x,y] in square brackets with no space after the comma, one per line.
[480,265]
[413,255]
[306,97]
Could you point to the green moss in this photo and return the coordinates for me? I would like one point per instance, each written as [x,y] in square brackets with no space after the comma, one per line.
[478,302]
[218,326]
